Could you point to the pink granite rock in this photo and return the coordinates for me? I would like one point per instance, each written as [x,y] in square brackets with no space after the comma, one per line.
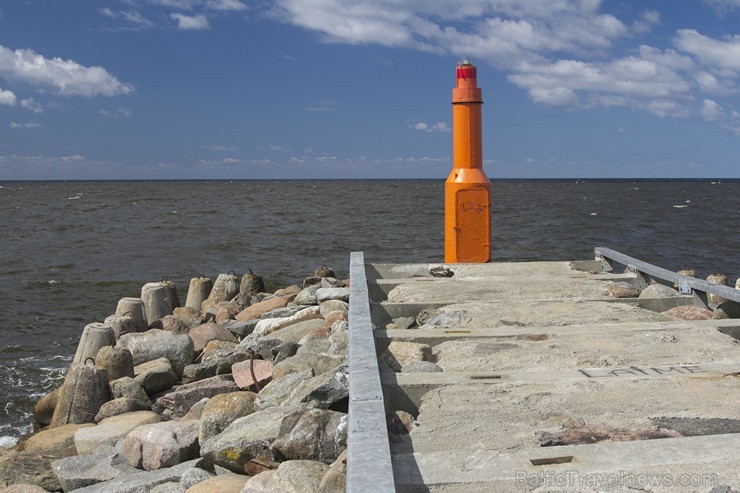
[205,333]
[690,312]
[256,310]
[243,376]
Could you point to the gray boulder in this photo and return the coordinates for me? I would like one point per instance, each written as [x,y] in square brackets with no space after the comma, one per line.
[277,391]
[216,362]
[160,445]
[28,468]
[144,481]
[23,488]
[169,487]
[181,399]
[117,361]
[245,439]
[333,306]
[307,296]
[326,294]
[194,476]
[312,434]
[156,343]
[240,328]
[58,442]
[327,391]
[421,367]
[316,362]
[155,376]
[283,312]
[128,387]
[103,464]
[295,476]
[118,406]
[228,483]
[295,332]
[658,291]
[221,410]
[335,479]
[110,430]
[196,410]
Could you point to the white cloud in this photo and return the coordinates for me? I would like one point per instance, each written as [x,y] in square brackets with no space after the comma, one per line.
[118,112]
[434,127]
[723,6]
[225,5]
[219,148]
[31,105]
[233,5]
[24,125]
[720,54]
[194,23]
[500,31]
[134,18]
[711,111]
[7,98]
[275,148]
[632,81]
[565,53]
[65,77]
[645,23]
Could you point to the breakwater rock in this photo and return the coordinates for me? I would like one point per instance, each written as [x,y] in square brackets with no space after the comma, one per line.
[240,390]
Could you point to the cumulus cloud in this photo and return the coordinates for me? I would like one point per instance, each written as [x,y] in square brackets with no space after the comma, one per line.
[434,127]
[219,148]
[711,111]
[31,105]
[571,54]
[500,31]
[7,98]
[632,81]
[65,77]
[721,54]
[191,23]
[645,23]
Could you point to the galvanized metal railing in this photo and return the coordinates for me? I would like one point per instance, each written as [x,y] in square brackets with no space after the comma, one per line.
[686,284]
[369,467]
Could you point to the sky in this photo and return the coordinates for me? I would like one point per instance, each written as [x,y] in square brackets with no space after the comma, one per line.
[252,89]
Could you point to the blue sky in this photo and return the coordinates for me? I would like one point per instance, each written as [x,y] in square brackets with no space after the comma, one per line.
[222,89]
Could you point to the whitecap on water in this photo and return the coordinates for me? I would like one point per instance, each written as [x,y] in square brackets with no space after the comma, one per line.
[7,442]
[683,206]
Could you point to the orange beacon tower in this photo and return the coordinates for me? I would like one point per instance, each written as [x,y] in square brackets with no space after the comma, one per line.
[467,190]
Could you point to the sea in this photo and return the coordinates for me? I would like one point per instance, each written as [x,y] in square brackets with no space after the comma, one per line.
[71,249]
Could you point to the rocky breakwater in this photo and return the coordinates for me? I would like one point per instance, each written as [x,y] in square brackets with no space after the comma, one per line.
[240,390]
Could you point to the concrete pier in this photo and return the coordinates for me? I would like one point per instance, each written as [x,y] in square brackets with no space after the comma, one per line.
[549,383]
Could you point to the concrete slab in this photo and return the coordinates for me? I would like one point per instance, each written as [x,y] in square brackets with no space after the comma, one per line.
[547,376]
[659,466]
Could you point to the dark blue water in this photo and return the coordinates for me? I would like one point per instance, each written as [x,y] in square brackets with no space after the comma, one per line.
[70,250]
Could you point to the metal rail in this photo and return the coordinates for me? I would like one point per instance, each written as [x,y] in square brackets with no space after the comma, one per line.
[687,284]
[369,467]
